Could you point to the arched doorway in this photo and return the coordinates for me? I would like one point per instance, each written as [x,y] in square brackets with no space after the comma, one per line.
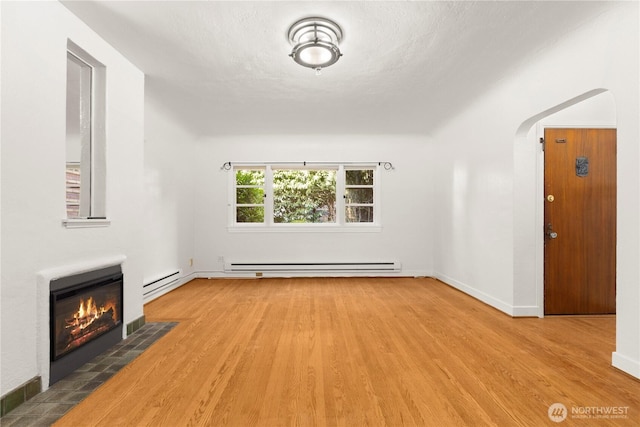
[594,109]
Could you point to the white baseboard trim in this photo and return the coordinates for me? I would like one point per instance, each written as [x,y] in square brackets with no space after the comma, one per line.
[189,277]
[514,311]
[626,364]
[525,311]
[477,294]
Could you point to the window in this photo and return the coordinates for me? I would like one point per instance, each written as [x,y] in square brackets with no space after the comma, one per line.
[85,136]
[250,195]
[320,196]
[304,196]
[358,195]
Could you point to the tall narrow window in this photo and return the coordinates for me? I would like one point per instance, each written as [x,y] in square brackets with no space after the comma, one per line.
[85,136]
[358,195]
[78,173]
[250,195]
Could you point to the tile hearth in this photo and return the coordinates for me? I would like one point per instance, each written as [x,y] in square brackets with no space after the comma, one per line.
[49,406]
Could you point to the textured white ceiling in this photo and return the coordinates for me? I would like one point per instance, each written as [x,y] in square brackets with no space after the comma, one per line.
[222,67]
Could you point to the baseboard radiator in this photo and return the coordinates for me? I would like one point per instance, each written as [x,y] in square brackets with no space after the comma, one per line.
[313,267]
[163,284]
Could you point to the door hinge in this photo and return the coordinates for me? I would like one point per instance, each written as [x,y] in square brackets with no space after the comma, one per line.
[542,142]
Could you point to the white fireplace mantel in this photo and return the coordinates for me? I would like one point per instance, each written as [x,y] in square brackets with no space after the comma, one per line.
[43,278]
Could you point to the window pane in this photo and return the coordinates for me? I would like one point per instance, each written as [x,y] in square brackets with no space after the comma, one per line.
[359,177]
[73,190]
[250,177]
[358,195]
[85,150]
[359,214]
[250,214]
[78,136]
[249,196]
[304,196]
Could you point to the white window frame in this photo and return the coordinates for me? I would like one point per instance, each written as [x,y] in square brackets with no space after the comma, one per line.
[93,161]
[340,225]
[374,187]
[264,187]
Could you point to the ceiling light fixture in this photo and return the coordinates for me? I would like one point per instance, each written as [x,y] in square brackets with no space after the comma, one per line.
[315,43]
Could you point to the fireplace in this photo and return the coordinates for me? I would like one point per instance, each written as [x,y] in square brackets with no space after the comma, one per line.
[85,318]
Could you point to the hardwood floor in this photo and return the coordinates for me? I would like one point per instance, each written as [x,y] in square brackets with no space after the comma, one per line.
[359,351]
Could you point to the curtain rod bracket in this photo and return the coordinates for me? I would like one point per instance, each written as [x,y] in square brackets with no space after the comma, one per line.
[387,165]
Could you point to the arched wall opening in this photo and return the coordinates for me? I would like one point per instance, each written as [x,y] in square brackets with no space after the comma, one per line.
[596,109]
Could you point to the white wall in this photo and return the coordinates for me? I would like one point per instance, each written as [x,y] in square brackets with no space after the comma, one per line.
[474,223]
[33,73]
[407,211]
[169,194]
[482,248]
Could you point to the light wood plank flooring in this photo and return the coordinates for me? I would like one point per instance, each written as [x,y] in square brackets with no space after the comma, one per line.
[358,351]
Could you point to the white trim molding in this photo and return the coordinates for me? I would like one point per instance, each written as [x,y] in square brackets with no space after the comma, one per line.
[626,364]
[514,311]
[86,222]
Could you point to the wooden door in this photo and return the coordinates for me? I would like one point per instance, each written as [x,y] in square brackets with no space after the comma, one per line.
[580,221]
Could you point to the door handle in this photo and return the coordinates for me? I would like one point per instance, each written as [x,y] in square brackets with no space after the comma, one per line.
[550,233]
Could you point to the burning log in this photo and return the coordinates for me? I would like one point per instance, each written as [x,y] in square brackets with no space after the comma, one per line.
[81,330]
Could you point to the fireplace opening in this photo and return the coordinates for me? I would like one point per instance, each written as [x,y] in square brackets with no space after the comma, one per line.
[85,318]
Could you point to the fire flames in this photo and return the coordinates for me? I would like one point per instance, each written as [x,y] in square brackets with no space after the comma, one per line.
[82,318]
[86,315]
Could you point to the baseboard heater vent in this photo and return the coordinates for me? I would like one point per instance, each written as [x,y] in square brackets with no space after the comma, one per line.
[162,284]
[301,267]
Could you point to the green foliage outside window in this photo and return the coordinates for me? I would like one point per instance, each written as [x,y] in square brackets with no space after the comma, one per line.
[304,196]
[358,195]
[359,177]
[250,195]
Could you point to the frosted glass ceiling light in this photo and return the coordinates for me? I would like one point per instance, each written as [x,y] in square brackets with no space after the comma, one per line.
[315,43]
